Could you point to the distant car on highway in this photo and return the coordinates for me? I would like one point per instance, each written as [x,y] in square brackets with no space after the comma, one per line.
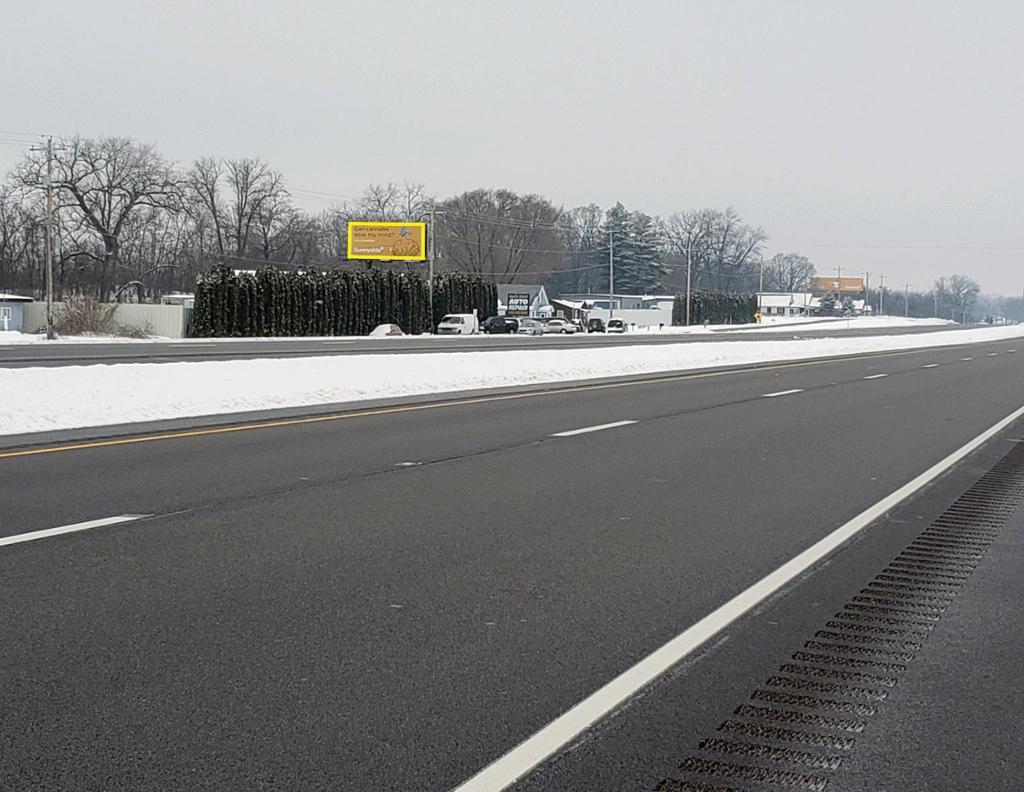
[559,326]
[616,326]
[499,324]
[458,324]
[530,327]
[595,325]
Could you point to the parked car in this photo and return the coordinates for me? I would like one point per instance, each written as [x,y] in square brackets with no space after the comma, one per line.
[559,326]
[458,324]
[595,325]
[499,324]
[530,327]
[616,326]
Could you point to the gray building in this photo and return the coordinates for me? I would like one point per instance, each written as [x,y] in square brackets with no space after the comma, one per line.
[12,311]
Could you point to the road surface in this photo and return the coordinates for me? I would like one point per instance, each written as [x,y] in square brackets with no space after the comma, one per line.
[395,601]
[74,354]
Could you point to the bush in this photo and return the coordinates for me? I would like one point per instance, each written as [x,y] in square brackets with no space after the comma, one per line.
[340,302]
[81,314]
[715,307]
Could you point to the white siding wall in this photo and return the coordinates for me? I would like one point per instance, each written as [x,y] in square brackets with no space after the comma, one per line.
[160,320]
[640,317]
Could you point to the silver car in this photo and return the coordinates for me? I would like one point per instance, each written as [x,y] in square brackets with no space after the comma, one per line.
[559,326]
[530,327]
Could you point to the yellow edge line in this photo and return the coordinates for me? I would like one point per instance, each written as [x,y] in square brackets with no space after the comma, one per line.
[312,419]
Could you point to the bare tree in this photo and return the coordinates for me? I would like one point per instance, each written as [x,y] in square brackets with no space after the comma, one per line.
[788,272]
[500,234]
[205,201]
[961,292]
[389,202]
[107,182]
[253,185]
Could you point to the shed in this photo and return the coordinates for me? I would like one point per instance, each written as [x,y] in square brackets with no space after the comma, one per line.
[12,311]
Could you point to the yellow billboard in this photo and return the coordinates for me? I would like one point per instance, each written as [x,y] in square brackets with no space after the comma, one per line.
[387,241]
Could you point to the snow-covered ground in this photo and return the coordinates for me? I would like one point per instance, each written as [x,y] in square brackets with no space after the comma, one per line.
[768,324]
[41,399]
[8,337]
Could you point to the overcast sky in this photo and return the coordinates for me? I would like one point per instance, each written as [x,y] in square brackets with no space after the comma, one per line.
[881,136]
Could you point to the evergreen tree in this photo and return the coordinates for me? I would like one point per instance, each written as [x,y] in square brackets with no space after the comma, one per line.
[634,241]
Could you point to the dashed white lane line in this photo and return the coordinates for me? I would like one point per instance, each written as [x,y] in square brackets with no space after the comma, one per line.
[781,393]
[993,354]
[597,428]
[930,365]
[964,360]
[1011,351]
[506,769]
[876,376]
[74,527]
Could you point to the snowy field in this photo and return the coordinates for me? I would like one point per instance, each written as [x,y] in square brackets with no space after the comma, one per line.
[41,399]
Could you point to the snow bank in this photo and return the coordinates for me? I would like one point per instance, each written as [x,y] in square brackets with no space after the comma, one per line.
[14,337]
[41,399]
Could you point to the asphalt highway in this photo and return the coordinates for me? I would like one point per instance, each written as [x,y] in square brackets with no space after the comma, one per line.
[395,600]
[74,354]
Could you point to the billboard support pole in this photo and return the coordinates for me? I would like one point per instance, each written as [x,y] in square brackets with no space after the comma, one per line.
[430,271]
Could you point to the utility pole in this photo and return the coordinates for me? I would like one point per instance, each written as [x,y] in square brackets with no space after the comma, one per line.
[611,273]
[50,334]
[867,291]
[935,299]
[906,299]
[689,267]
[881,294]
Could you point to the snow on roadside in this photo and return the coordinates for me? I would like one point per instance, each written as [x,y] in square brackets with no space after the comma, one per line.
[15,337]
[41,399]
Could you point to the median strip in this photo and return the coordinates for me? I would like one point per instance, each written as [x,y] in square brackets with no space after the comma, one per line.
[597,428]
[73,528]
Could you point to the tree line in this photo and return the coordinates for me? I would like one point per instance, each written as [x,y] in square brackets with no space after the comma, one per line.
[130,224]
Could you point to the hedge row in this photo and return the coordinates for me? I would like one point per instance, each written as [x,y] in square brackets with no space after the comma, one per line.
[340,302]
[715,307]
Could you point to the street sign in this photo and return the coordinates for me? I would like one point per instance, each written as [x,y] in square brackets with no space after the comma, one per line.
[387,241]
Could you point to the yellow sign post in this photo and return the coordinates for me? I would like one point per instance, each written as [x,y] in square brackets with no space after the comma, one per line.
[387,241]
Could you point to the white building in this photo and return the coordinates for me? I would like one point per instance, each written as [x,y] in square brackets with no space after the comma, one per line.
[786,303]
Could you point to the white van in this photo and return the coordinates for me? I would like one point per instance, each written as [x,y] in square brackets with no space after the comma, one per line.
[458,324]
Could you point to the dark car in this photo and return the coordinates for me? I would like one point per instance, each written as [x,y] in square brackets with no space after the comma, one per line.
[499,324]
[595,325]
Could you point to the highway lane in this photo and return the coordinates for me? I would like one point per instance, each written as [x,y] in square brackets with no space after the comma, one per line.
[310,612]
[68,354]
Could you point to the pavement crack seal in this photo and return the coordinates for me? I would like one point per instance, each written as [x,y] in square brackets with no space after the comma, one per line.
[847,669]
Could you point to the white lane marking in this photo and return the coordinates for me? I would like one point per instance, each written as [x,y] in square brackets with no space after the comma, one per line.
[504,771]
[876,376]
[781,393]
[930,365]
[993,354]
[597,428]
[63,529]
[966,359]
[1011,351]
